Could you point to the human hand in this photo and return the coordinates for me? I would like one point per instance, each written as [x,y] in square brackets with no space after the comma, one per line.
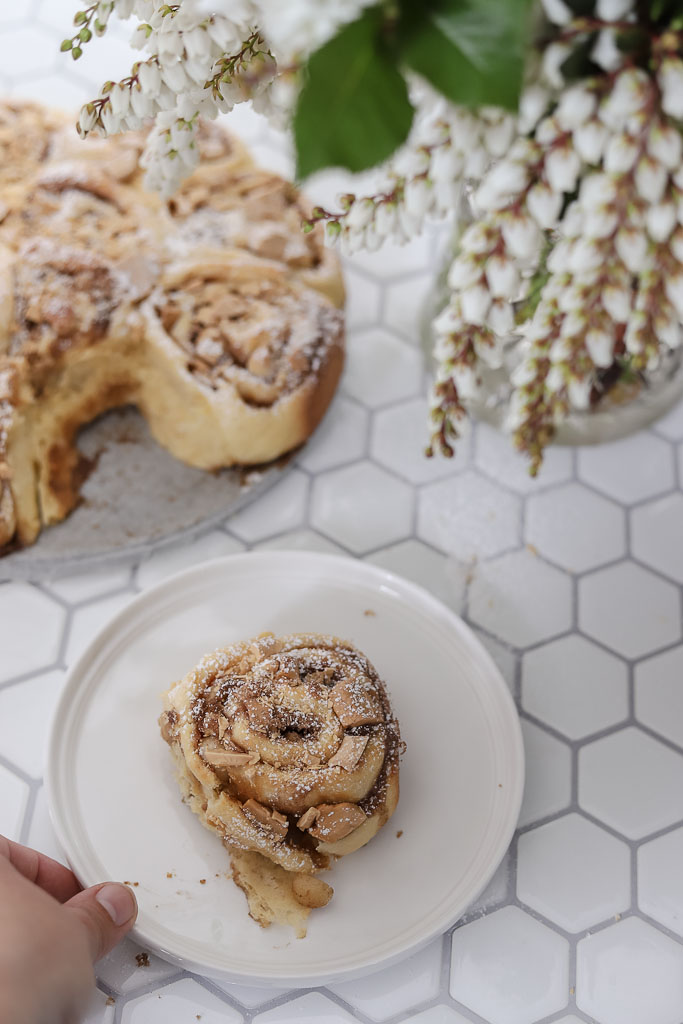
[51,934]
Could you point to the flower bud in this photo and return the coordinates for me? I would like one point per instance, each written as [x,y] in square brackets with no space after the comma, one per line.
[86,119]
[617,302]
[502,277]
[360,214]
[554,57]
[664,144]
[600,347]
[579,392]
[621,153]
[670,79]
[532,105]
[668,330]
[418,197]
[631,246]
[464,272]
[660,220]
[577,105]
[651,178]
[501,320]
[613,10]
[475,302]
[557,12]
[606,53]
[446,163]
[522,236]
[498,137]
[589,141]
[562,166]
[544,205]
[674,290]
[556,379]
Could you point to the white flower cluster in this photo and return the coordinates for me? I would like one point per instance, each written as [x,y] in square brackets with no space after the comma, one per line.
[204,57]
[447,146]
[579,231]
[615,286]
[197,64]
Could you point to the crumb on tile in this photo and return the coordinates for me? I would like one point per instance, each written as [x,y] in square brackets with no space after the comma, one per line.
[170,874]
[370,613]
[399,833]
[202,881]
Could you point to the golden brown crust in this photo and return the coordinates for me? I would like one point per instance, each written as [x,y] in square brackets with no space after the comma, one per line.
[259,211]
[264,758]
[82,246]
[27,134]
[246,351]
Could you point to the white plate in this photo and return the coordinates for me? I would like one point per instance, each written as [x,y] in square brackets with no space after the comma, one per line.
[117,810]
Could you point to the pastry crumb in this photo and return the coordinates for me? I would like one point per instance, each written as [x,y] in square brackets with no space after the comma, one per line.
[202,881]
[126,882]
[110,1001]
[170,874]
[369,612]
[399,833]
[142,960]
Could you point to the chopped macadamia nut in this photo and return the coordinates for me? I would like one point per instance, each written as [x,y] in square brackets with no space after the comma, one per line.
[354,706]
[349,753]
[335,821]
[307,818]
[261,716]
[230,759]
[311,892]
[272,820]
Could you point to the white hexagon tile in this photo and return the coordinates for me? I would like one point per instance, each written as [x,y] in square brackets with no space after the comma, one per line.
[571,580]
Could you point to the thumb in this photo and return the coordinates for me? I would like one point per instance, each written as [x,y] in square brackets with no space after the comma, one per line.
[107,912]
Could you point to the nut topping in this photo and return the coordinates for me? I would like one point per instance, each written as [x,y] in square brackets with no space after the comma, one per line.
[272,820]
[219,757]
[349,753]
[354,706]
[261,716]
[307,819]
[336,821]
[311,892]
[209,348]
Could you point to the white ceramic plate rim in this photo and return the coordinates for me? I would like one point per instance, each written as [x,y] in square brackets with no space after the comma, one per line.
[190,955]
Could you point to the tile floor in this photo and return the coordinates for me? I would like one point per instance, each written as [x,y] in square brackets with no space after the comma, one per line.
[573,582]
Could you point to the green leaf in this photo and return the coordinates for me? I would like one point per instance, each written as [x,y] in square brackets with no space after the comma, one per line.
[66,45]
[353,110]
[470,50]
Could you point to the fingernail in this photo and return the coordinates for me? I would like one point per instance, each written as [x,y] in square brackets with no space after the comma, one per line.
[118,901]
